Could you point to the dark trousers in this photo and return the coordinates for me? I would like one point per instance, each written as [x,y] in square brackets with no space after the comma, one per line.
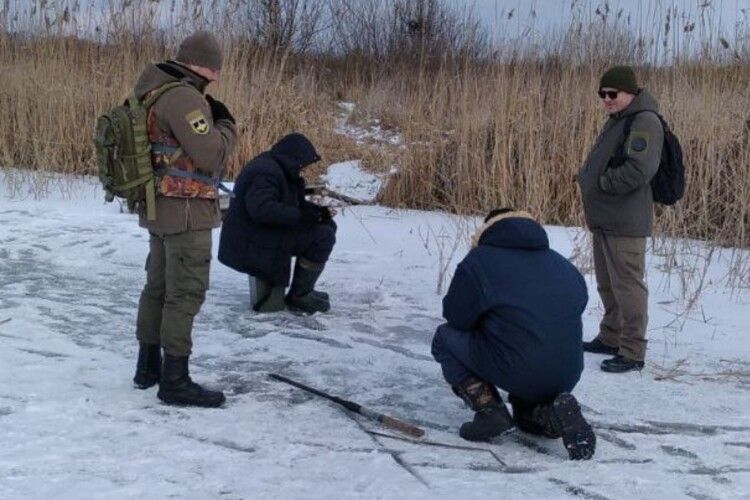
[462,354]
[450,348]
[315,243]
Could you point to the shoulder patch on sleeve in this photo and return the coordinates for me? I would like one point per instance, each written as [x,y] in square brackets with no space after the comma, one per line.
[198,122]
[638,142]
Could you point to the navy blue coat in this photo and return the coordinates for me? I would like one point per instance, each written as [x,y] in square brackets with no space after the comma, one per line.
[525,302]
[258,231]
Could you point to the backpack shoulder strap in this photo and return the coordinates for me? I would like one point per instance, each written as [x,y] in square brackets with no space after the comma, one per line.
[629,125]
[630,119]
[155,94]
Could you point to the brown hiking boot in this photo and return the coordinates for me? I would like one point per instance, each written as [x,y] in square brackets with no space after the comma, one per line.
[491,418]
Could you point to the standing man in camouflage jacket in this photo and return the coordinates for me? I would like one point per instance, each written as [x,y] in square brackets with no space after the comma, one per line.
[191,136]
[618,205]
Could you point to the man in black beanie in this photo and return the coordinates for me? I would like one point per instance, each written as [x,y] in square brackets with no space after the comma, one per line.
[618,206]
[191,136]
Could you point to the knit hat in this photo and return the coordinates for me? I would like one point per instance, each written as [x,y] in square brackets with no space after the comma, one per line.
[201,49]
[620,78]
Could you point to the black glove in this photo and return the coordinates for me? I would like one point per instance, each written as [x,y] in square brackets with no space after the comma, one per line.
[309,215]
[325,215]
[219,110]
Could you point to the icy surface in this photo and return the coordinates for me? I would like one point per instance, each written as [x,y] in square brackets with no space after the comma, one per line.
[350,179]
[72,426]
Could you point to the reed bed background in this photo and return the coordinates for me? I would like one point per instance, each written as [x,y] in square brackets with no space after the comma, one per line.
[484,122]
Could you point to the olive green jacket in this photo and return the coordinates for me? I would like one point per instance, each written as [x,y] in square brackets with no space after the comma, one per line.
[209,149]
[617,199]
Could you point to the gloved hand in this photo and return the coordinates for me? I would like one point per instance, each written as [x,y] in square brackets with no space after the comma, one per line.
[219,110]
[326,214]
[310,215]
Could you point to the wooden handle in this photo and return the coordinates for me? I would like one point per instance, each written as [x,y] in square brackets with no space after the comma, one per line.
[409,429]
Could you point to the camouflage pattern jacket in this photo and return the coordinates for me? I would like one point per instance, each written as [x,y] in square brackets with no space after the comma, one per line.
[185,137]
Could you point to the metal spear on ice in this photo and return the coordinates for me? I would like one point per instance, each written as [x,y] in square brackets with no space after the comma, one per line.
[391,422]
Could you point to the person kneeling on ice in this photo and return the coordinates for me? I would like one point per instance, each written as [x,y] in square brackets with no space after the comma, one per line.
[513,314]
[269,221]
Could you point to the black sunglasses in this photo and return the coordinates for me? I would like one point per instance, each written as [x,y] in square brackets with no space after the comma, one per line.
[612,94]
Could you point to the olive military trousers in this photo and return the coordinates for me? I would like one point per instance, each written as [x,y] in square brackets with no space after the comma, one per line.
[177,269]
[620,264]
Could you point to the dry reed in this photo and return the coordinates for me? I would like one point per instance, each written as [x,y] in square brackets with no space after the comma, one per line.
[482,126]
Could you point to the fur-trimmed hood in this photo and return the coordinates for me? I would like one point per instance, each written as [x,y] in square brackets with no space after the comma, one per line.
[517,229]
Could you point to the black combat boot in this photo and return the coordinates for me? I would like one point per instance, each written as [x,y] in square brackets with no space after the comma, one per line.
[176,387]
[598,347]
[577,435]
[533,418]
[148,369]
[491,418]
[621,364]
[560,419]
[302,296]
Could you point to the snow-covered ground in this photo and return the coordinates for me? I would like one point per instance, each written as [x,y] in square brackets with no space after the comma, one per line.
[72,426]
[349,178]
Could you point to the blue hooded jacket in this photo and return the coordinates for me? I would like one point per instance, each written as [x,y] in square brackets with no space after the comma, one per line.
[525,302]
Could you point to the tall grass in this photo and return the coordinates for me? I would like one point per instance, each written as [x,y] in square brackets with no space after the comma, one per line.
[483,124]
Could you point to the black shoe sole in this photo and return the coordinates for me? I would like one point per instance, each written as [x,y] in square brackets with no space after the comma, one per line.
[506,425]
[176,401]
[308,312]
[486,437]
[620,367]
[577,435]
[144,383]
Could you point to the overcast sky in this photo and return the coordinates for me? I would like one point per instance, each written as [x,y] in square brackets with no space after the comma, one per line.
[515,18]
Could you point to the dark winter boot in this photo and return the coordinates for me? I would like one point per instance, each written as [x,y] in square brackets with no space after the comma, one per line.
[577,435]
[598,347]
[621,364]
[176,387]
[560,419]
[148,368]
[270,298]
[533,418]
[302,296]
[491,418]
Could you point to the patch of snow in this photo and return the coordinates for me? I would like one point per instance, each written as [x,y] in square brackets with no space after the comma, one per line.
[350,179]
[72,426]
[373,133]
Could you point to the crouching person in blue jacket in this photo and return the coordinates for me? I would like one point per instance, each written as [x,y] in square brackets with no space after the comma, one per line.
[269,221]
[513,314]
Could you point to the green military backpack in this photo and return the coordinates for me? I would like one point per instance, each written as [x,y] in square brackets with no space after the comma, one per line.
[123,152]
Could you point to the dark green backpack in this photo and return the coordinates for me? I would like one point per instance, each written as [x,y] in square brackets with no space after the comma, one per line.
[123,152]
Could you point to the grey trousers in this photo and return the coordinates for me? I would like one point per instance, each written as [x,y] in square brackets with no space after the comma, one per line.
[620,265]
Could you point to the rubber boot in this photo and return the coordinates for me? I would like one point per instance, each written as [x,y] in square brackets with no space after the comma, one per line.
[148,367]
[271,298]
[491,418]
[176,387]
[302,296]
